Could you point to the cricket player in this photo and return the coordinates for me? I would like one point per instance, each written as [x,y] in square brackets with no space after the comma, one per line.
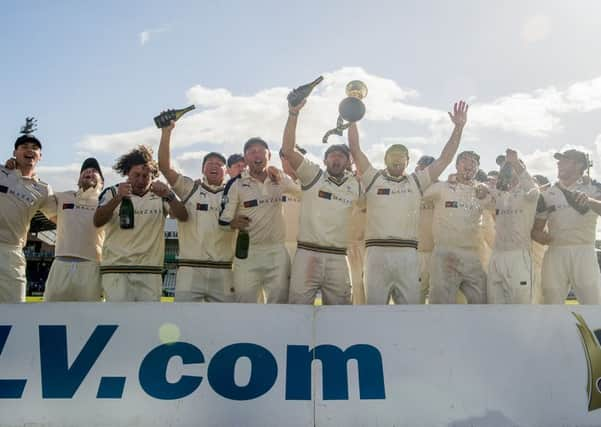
[206,250]
[75,271]
[510,272]
[132,258]
[320,262]
[455,263]
[393,208]
[252,201]
[570,209]
[22,194]
[425,240]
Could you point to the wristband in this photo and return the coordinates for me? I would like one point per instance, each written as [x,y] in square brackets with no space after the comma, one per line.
[292,113]
[170,197]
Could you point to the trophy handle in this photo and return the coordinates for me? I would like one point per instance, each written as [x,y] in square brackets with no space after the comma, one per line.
[340,126]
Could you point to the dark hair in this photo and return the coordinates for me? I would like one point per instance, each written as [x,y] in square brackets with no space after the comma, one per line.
[481,176]
[468,153]
[212,154]
[234,158]
[255,140]
[340,148]
[26,139]
[141,155]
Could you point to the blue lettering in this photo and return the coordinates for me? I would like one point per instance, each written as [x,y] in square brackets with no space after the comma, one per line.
[9,389]
[152,375]
[334,371]
[264,371]
[59,381]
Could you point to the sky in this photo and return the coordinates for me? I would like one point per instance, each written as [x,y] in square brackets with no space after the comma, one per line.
[94,74]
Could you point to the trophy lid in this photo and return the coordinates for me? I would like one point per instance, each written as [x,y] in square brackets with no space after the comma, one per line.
[356,89]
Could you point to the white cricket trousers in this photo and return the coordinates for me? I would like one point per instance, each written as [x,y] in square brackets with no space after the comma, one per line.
[263,276]
[71,280]
[391,272]
[314,271]
[123,287]
[510,277]
[13,280]
[202,284]
[453,269]
[575,267]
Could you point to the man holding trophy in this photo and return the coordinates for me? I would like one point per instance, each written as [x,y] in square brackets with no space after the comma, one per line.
[393,209]
[320,262]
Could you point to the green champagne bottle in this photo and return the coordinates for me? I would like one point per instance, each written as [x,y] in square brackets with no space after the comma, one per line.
[297,95]
[164,119]
[242,244]
[126,213]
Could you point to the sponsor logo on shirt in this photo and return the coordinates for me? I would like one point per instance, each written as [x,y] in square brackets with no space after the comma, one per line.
[68,206]
[251,203]
[451,204]
[509,211]
[324,195]
[202,207]
[383,191]
[3,189]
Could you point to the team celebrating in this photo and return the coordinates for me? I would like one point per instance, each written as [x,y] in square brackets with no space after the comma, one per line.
[342,230]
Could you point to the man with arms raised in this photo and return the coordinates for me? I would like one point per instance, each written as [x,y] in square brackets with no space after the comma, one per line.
[22,194]
[320,262]
[393,210]
[205,249]
[252,201]
[510,274]
[455,263]
[570,209]
[132,258]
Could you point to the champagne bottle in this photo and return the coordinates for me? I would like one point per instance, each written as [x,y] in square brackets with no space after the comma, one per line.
[571,199]
[297,95]
[163,119]
[242,244]
[126,213]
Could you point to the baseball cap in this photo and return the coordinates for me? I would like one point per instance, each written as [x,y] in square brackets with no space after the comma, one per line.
[25,139]
[397,147]
[338,147]
[469,153]
[425,160]
[253,141]
[91,163]
[234,158]
[575,155]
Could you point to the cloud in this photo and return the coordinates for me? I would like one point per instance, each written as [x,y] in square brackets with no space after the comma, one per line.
[223,120]
[65,177]
[146,35]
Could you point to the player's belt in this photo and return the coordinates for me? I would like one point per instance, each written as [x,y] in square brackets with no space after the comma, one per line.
[319,248]
[391,243]
[225,265]
[137,269]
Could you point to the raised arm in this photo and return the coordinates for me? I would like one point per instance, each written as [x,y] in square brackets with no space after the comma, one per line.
[289,139]
[459,118]
[361,160]
[165,155]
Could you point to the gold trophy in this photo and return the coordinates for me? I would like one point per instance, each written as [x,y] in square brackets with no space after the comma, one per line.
[350,109]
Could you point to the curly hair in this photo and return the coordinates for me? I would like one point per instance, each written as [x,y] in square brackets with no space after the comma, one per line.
[141,155]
